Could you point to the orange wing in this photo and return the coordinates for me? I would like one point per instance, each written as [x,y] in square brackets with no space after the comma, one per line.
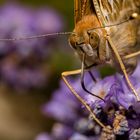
[82,8]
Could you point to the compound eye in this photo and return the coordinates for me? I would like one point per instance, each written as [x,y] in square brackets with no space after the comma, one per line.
[94,40]
[73,40]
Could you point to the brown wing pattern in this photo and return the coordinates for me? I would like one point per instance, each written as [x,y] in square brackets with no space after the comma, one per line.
[82,8]
[117,10]
[126,35]
[108,11]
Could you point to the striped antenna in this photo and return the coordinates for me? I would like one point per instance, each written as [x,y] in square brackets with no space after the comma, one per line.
[35,36]
[52,34]
[132,17]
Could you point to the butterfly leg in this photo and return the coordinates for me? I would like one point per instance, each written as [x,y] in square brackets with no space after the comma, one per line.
[122,66]
[132,55]
[68,73]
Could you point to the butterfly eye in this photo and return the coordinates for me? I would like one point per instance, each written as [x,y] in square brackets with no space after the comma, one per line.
[94,40]
[88,32]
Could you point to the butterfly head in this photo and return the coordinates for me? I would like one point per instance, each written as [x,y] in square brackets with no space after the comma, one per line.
[87,41]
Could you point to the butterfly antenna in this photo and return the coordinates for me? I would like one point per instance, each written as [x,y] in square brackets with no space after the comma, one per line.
[35,36]
[132,17]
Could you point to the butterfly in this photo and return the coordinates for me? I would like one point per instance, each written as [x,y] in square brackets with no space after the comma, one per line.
[106,32]
[91,20]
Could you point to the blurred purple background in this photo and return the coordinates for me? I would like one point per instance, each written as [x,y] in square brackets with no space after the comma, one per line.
[30,69]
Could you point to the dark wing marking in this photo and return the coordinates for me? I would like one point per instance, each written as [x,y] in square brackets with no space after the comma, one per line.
[113,11]
[82,8]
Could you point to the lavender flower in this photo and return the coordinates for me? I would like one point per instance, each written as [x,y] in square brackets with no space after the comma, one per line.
[73,122]
[119,111]
[63,106]
[120,104]
[43,136]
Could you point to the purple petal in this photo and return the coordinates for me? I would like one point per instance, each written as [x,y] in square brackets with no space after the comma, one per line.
[43,136]
[61,132]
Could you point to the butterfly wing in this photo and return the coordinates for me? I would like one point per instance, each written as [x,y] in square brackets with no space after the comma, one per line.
[82,8]
[124,36]
[107,11]
[115,11]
